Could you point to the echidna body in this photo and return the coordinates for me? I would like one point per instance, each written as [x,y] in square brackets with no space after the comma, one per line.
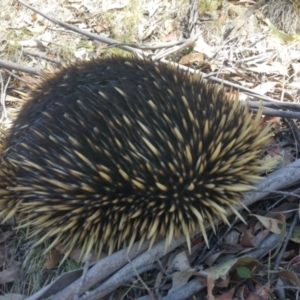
[113,150]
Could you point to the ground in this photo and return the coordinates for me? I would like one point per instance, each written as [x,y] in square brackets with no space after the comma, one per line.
[253,44]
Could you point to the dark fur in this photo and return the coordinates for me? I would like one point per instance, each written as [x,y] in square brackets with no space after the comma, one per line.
[67,133]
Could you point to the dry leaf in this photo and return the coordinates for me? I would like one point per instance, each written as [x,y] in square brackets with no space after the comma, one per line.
[192,58]
[10,274]
[5,235]
[52,259]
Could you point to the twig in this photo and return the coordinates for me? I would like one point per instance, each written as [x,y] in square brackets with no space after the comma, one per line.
[15,76]
[96,37]
[14,66]
[3,94]
[283,248]
[41,55]
[137,274]
[280,113]
[242,19]
[83,277]
[194,286]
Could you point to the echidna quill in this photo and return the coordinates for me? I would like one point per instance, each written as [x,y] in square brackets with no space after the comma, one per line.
[109,151]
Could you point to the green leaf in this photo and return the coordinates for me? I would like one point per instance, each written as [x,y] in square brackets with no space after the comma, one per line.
[243,272]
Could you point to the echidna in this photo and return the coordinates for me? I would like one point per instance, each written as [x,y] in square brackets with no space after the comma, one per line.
[108,151]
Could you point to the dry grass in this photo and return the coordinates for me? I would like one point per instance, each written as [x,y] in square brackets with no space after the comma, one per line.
[284,15]
[125,21]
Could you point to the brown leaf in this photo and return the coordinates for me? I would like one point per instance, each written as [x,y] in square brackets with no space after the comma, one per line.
[52,259]
[291,276]
[192,58]
[5,235]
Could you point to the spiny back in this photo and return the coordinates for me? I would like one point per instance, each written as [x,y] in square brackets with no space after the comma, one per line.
[113,150]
